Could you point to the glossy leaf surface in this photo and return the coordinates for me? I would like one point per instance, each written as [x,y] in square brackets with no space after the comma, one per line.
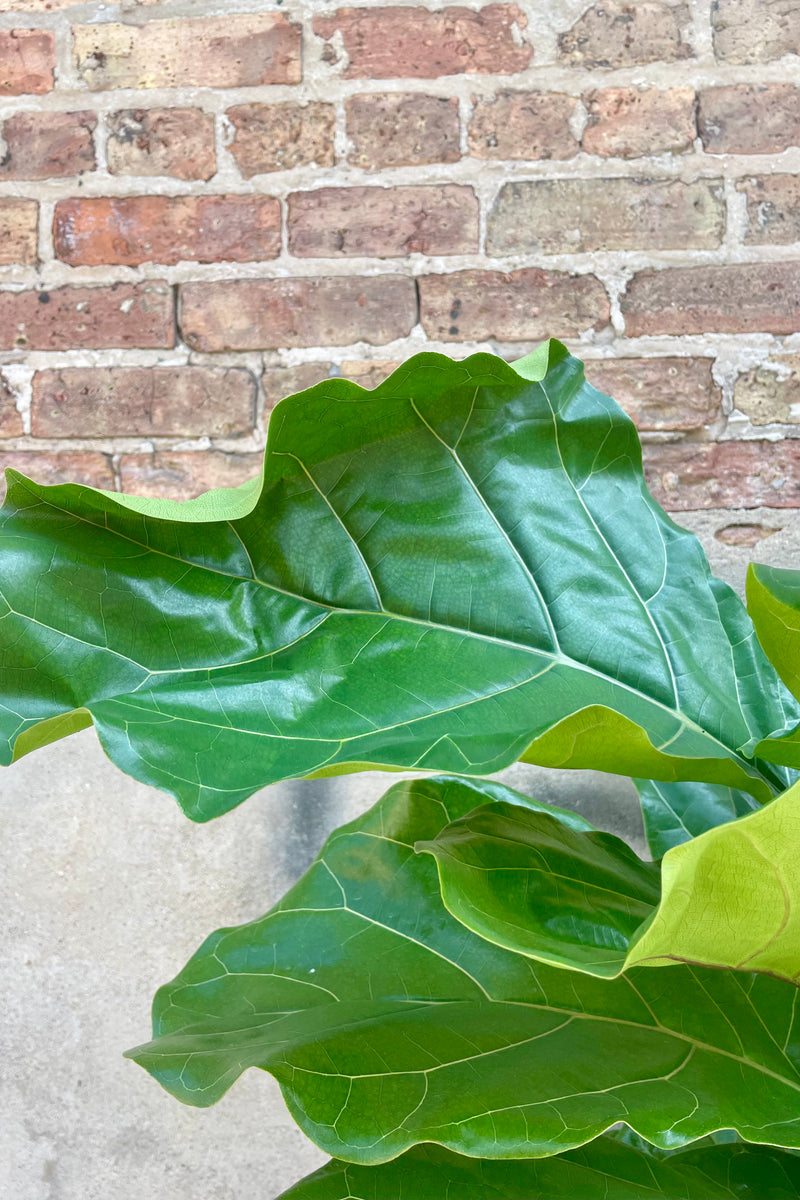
[582,899]
[606,1169]
[529,882]
[455,570]
[387,1023]
[675,812]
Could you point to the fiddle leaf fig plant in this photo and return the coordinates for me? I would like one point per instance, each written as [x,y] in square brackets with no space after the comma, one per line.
[469,993]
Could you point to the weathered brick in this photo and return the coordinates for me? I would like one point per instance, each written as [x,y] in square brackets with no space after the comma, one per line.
[770,394]
[563,216]
[738,298]
[629,122]
[618,33]
[398,129]
[751,31]
[279,382]
[277,137]
[740,533]
[519,306]
[85,467]
[236,50]
[47,145]
[19,222]
[142,401]
[182,475]
[167,229]
[773,209]
[661,393]
[383,222]
[162,141]
[410,42]
[724,474]
[523,125]
[273,313]
[36,5]
[27,61]
[749,119]
[70,318]
[10,418]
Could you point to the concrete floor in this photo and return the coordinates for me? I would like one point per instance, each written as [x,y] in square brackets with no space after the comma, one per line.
[107,890]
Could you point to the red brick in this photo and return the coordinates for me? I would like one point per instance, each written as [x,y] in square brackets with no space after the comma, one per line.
[277,137]
[183,475]
[739,298]
[630,123]
[661,393]
[167,229]
[724,474]
[19,222]
[142,401]
[413,43]
[279,382]
[749,119]
[770,396]
[750,31]
[273,313]
[237,50]
[27,61]
[97,318]
[399,129]
[519,306]
[47,145]
[10,419]
[618,33]
[773,209]
[87,468]
[564,216]
[162,141]
[524,125]
[383,222]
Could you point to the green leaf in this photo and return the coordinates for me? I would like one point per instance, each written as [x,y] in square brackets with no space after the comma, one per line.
[773,601]
[731,897]
[533,884]
[387,1023]
[675,812]
[606,1169]
[455,570]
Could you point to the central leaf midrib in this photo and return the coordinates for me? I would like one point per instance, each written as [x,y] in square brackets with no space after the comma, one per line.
[556,658]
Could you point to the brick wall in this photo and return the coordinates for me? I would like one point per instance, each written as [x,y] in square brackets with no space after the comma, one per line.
[205,206]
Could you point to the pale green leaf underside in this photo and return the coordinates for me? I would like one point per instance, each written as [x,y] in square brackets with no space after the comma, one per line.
[387,1023]
[606,1169]
[731,897]
[582,899]
[457,569]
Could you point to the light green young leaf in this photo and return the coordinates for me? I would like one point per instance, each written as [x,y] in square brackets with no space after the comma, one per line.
[606,1169]
[455,570]
[731,897]
[584,900]
[387,1023]
[773,601]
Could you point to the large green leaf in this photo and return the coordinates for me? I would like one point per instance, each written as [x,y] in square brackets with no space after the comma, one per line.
[387,1023]
[675,812]
[537,885]
[457,569]
[606,1169]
